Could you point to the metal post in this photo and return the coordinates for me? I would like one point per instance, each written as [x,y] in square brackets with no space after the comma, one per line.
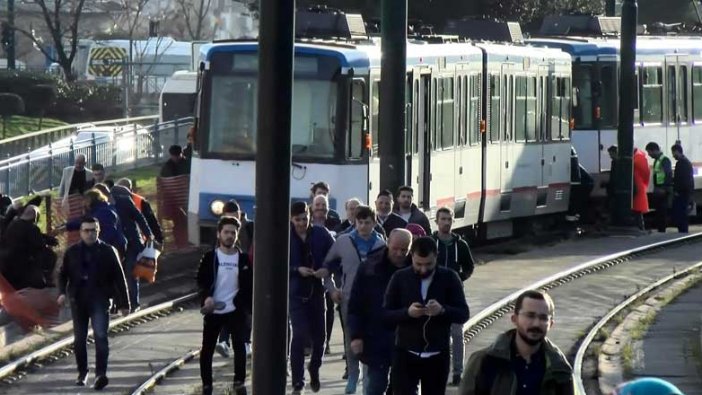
[49,222]
[28,177]
[93,149]
[51,168]
[391,139]
[10,50]
[627,95]
[156,141]
[7,177]
[134,147]
[71,154]
[273,161]
[610,7]
[175,131]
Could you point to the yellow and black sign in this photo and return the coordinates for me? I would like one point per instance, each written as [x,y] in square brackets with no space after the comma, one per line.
[106,61]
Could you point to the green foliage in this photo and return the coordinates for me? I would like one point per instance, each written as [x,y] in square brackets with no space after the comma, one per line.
[22,83]
[84,101]
[11,104]
[530,13]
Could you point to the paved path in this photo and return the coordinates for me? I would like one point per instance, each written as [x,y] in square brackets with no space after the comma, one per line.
[149,347]
[673,344]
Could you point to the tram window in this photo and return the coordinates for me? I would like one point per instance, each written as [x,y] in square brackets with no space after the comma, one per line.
[671,92]
[435,119]
[583,111]
[473,121]
[531,109]
[355,141]
[520,108]
[555,124]
[609,102]
[494,110]
[637,92]
[446,107]
[652,94]
[415,129]
[232,116]
[375,112]
[564,93]
[683,94]
[462,95]
[408,115]
[697,92]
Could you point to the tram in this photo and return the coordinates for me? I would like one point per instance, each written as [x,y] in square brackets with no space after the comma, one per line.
[488,126]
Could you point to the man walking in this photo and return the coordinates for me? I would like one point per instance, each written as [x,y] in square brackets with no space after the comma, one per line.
[75,179]
[322,188]
[683,186]
[350,251]
[371,339]
[454,254]
[225,285]
[662,184]
[388,219]
[309,246]
[422,301]
[91,274]
[409,211]
[521,360]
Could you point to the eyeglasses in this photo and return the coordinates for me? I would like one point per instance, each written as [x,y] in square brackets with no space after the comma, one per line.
[533,316]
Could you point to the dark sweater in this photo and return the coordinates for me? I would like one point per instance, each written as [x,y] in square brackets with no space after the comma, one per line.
[455,255]
[683,178]
[424,334]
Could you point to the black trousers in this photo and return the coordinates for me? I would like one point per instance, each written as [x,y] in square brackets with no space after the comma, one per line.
[409,370]
[660,203]
[235,322]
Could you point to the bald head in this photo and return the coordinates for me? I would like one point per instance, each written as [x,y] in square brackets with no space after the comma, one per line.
[399,243]
[320,206]
[30,213]
[80,162]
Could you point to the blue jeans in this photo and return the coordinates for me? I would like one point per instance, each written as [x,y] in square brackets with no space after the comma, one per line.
[375,379]
[97,312]
[308,327]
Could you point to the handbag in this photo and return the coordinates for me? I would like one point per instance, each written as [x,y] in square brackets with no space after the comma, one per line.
[147,263]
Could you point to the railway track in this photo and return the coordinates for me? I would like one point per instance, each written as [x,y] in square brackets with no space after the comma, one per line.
[182,309]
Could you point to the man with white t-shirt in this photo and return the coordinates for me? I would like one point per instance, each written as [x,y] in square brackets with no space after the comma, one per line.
[225,284]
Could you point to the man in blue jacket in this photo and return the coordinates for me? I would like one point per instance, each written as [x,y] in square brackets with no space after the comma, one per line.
[370,337]
[309,246]
[422,301]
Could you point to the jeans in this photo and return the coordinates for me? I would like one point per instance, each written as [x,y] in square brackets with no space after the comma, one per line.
[457,348]
[375,379]
[308,322]
[213,323]
[409,370]
[679,212]
[97,312]
[352,361]
[329,315]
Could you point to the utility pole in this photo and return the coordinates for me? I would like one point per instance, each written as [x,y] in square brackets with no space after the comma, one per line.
[393,74]
[10,49]
[610,7]
[273,161]
[627,95]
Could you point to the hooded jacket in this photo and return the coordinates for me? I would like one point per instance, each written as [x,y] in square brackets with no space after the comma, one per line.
[416,217]
[489,370]
[310,253]
[344,255]
[110,226]
[132,220]
[455,256]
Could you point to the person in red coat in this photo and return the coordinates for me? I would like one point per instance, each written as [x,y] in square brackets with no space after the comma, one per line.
[642,175]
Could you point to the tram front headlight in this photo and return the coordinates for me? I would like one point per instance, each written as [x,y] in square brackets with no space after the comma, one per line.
[217,207]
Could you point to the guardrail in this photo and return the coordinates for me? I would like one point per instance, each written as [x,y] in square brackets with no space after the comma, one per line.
[19,145]
[126,147]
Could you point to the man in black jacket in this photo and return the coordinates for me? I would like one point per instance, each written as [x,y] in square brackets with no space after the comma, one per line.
[683,186]
[387,218]
[225,285]
[409,211]
[91,274]
[454,254]
[423,301]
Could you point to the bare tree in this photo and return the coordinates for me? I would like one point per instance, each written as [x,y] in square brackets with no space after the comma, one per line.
[195,14]
[62,18]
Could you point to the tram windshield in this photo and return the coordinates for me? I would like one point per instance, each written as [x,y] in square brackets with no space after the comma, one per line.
[233,106]
[588,89]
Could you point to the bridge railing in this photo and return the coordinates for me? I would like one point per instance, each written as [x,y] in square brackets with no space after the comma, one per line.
[128,146]
[22,144]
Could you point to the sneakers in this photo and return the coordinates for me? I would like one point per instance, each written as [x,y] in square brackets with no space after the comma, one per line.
[82,379]
[248,349]
[314,381]
[222,349]
[239,387]
[100,383]
[456,380]
[298,389]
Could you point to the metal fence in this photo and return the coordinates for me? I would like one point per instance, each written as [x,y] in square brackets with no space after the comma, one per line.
[27,142]
[134,146]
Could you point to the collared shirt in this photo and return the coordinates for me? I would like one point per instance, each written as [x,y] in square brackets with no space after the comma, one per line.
[529,375]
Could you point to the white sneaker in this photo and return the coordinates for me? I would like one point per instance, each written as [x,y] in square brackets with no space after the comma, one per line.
[248,349]
[222,349]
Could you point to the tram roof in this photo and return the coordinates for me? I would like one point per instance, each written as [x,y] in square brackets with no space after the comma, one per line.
[645,45]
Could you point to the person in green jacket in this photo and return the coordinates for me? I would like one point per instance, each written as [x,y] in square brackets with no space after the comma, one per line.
[522,361]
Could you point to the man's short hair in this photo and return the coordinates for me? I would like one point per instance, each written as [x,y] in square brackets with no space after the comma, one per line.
[677,148]
[612,148]
[356,200]
[444,210]
[110,183]
[175,150]
[365,212]
[405,188]
[424,246]
[320,185]
[653,146]
[534,294]
[231,207]
[227,221]
[298,208]
[125,182]
[385,192]
[89,220]
[97,167]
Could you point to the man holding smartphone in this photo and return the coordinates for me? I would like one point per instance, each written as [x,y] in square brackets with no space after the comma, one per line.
[422,301]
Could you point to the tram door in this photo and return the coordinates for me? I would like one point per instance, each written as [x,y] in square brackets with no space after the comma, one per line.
[422,91]
[507,164]
[677,77]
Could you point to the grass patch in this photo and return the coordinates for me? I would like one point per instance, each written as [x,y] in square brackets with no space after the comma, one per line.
[19,125]
[143,180]
[628,359]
